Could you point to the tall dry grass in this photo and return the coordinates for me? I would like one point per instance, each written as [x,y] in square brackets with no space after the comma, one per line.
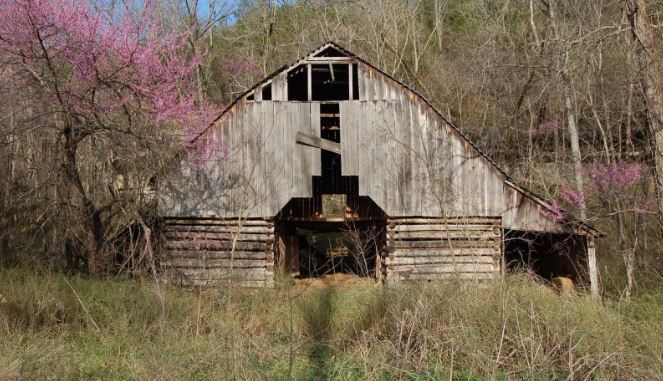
[59,327]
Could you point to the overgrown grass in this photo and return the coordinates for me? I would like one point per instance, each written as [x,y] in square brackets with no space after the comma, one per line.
[56,327]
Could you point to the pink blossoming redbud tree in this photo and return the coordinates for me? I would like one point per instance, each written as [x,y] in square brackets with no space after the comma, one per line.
[619,188]
[620,182]
[92,71]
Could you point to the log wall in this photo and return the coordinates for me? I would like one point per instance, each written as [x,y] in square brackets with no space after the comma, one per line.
[216,252]
[435,248]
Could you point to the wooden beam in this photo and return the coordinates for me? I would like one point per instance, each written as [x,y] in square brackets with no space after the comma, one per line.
[350,80]
[309,83]
[323,60]
[317,142]
[593,268]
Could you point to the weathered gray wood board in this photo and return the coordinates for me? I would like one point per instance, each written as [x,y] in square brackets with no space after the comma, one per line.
[215,252]
[409,161]
[258,170]
[435,248]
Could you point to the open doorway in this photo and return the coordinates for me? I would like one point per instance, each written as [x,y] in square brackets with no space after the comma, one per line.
[316,249]
[549,256]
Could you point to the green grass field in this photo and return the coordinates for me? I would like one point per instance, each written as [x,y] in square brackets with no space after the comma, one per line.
[58,327]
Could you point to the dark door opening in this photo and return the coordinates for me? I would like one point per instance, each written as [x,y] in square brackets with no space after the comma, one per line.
[313,249]
[546,255]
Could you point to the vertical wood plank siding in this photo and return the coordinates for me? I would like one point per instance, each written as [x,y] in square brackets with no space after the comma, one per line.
[408,160]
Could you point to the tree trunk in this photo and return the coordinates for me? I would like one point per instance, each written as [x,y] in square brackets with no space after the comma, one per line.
[4,213]
[6,218]
[648,61]
[92,230]
[628,254]
[569,108]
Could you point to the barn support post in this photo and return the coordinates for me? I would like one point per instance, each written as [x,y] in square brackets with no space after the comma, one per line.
[309,83]
[592,267]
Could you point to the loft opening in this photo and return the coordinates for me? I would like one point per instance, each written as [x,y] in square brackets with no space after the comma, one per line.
[323,81]
[298,84]
[330,82]
[267,92]
[262,93]
[547,255]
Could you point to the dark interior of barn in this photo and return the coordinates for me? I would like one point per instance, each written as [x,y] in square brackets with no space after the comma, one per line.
[339,233]
[312,249]
[549,256]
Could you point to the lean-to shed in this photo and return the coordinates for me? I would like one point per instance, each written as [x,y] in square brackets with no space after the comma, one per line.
[331,165]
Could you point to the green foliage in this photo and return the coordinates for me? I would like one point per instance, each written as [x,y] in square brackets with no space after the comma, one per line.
[516,329]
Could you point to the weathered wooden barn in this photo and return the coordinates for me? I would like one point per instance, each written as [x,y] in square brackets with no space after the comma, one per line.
[331,165]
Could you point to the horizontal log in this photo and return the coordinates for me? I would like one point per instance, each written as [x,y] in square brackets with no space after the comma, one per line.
[424,261]
[443,227]
[445,268]
[216,245]
[456,221]
[219,229]
[216,236]
[251,255]
[213,263]
[445,252]
[192,253]
[478,235]
[215,222]
[445,244]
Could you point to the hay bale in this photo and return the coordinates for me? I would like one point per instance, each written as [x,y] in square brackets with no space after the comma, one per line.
[564,285]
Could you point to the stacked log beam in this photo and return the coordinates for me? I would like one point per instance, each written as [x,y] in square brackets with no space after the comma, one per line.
[218,252]
[434,248]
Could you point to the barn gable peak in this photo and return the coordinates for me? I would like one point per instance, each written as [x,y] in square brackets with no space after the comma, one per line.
[333,55]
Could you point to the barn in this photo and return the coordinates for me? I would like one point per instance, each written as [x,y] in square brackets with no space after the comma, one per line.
[330,165]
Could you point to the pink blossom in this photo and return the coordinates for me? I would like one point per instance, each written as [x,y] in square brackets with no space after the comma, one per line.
[572,196]
[614,179]
[643,206]
[554,212]
[546,127]
[104,69]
